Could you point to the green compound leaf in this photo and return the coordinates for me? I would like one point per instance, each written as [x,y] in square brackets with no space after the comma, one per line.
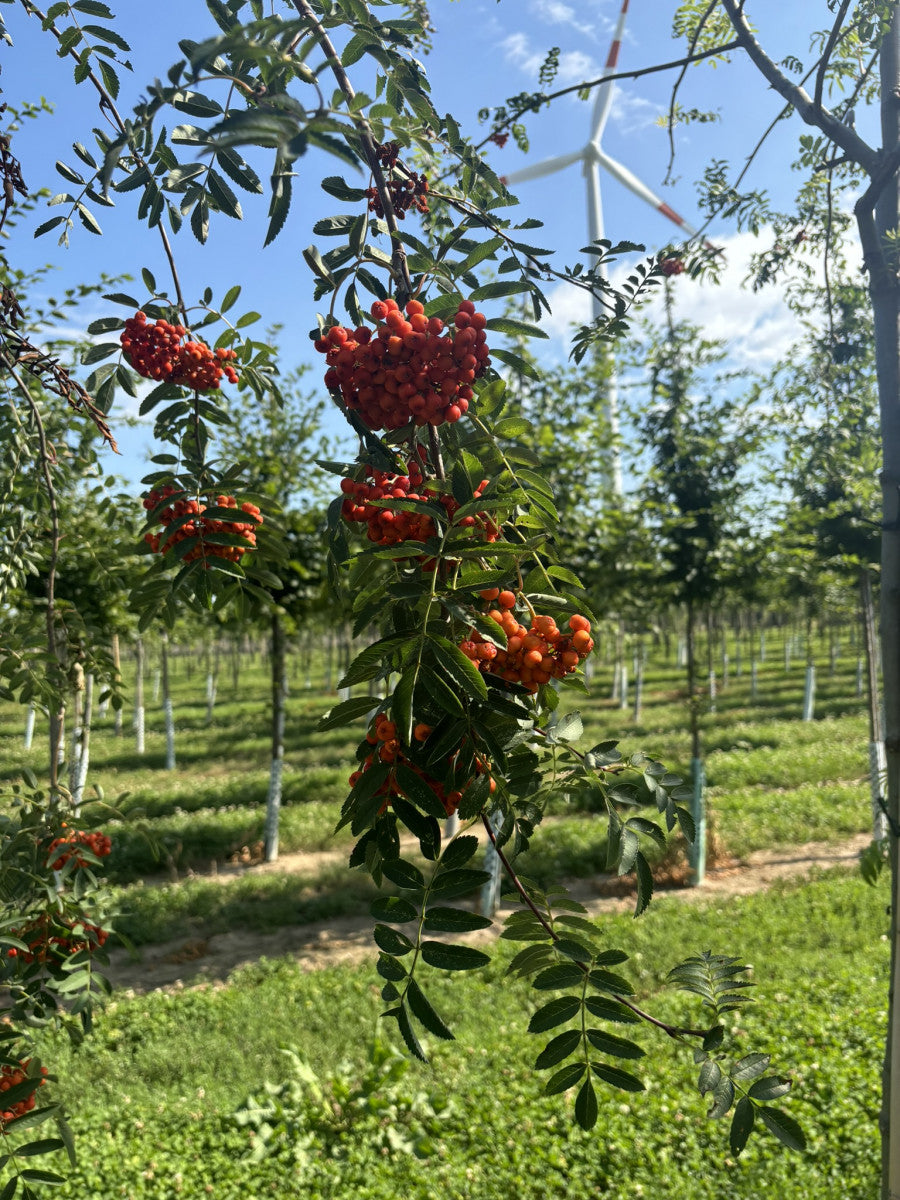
[608,1043]
[616,1078]
[557,1012]
[723,1098]
[565,1078]
[453,920]
[423,1011]
[741,1125]
[610,1010]
[586,1105]
[453,958]
[394,909]
[770,1088]
[750,1067]
[389,968]
[406,1029]
[561,975]
[557,1049]
[785,1128]
[392,941]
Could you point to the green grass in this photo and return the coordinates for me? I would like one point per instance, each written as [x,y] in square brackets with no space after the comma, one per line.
[773,779]
[204,907]
[153,1091]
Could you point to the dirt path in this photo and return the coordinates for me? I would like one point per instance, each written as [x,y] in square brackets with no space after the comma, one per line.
[349,939]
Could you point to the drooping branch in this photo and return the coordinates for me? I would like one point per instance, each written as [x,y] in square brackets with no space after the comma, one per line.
[46,461]
[369,145]
[107,104]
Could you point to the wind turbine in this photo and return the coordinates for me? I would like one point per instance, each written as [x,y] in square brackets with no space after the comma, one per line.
[592,158]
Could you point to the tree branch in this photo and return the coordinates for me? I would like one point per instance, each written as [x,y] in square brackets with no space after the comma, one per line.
[826,53]
[398,255]
[816,115]
[47,458]
[677,84]
[588,84]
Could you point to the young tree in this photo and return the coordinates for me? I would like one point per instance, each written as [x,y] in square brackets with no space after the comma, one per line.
[700,443]
[457,566]
[828,412]
[275,443]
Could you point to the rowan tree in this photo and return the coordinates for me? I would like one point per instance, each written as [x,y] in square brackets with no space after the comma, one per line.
[442,529]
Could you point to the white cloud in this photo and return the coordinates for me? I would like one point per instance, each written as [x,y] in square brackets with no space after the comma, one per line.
[757,328]
[574,65]
[631,112]
[555,12]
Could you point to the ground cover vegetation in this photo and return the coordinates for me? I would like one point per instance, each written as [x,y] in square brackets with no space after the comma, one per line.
[470,627]
[191,1092]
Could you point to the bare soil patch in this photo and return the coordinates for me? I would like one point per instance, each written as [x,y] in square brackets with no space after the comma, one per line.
[349,939]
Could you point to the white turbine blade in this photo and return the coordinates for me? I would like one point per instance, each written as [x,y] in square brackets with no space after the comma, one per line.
[632,182]
[604,97]
[547,167]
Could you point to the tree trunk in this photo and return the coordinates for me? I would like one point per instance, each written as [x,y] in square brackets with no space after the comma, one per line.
[273,799]
[877,764]
[880,257]
[84,743]
[697,851]
[139,695]
[638,680]
[77,710]
[117,663]
[167,702]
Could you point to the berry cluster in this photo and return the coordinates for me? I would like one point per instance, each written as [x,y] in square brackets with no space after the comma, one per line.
[532,656]
[10,1077]
[156,352]
[43,946]
[202,526]
[384,739]
[409,369]
[387,154]
[672,265]
[499,139]
[406,193]
[390,527]
[98,843]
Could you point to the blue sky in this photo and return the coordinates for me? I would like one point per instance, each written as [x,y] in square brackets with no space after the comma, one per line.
[484,52]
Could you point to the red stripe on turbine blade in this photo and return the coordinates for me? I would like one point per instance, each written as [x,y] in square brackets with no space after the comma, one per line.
[671,214]
[617,42]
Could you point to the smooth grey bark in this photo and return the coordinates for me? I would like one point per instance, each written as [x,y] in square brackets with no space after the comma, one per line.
[84,743]
[167,702]
[697,850]
[877,762]
[279,690]
[117,663]
[139,695]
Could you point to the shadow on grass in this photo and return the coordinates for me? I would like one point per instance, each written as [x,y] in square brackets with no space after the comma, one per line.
[253,903]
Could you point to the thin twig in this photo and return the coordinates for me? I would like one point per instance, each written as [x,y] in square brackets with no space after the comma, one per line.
[674,1031]
[47,458]
[588,84]
[369,144]
[677,84]
[827,52]
[107,103]
[514,879]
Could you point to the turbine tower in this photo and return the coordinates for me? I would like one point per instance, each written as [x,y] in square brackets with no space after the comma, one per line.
[592,158]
